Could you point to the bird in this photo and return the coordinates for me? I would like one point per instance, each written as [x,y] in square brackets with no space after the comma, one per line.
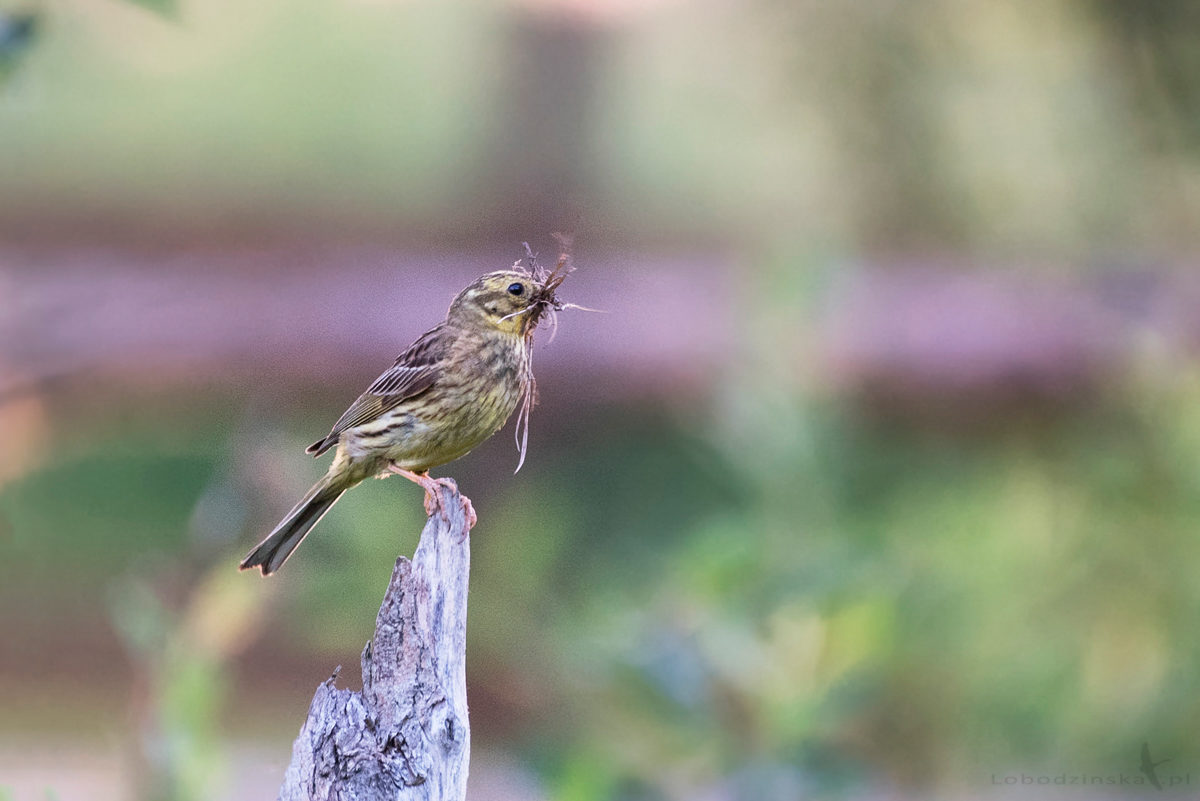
[454,387]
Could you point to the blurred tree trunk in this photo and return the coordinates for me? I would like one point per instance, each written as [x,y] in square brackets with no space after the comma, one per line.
[405,736]
[539,162]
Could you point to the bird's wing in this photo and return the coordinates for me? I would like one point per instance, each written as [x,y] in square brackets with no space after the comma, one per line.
[414,371]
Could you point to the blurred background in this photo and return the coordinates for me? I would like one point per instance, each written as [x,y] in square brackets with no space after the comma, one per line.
[879,477]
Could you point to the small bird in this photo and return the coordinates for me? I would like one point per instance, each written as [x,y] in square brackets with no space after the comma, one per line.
[454,387]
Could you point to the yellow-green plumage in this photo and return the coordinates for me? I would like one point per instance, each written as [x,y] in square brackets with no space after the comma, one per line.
[453,388]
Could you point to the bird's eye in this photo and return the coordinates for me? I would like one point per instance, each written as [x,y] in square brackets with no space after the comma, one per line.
[516,289]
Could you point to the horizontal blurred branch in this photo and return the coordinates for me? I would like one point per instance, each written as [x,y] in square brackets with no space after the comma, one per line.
[76,320]
[405,736]
[218,317]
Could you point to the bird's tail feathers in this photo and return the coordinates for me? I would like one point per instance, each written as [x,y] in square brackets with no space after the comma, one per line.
[278,546]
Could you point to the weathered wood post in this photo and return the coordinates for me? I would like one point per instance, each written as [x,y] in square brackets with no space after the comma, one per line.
[405,737]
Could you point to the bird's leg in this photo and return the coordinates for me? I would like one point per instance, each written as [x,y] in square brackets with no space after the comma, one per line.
[432,498]
[427,483]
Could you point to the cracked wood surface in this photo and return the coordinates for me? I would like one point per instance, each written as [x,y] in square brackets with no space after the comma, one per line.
[405,736]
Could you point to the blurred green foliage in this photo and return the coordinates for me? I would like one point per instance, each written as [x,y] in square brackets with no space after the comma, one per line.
[167,8]
[777,594]
[928,604]
[18,31]
[1061,128]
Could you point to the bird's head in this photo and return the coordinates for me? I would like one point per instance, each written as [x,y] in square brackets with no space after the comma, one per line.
[511,301]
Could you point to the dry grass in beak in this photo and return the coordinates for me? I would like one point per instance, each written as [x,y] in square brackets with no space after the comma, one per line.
[545,302]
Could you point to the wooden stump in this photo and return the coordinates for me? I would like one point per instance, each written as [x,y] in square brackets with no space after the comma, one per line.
[405,736]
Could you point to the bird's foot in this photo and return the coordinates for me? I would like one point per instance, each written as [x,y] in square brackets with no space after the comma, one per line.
[469,511]
[432,487]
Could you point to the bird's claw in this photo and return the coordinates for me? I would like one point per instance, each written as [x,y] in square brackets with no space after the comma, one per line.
[433,501]
[433,497]
[469,511]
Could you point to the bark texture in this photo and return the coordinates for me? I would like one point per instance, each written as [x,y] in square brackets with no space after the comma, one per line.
[405,736]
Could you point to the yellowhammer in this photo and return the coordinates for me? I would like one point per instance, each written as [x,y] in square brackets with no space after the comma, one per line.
[452,389]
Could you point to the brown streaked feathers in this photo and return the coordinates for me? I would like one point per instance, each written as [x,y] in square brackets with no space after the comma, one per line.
[414,371]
